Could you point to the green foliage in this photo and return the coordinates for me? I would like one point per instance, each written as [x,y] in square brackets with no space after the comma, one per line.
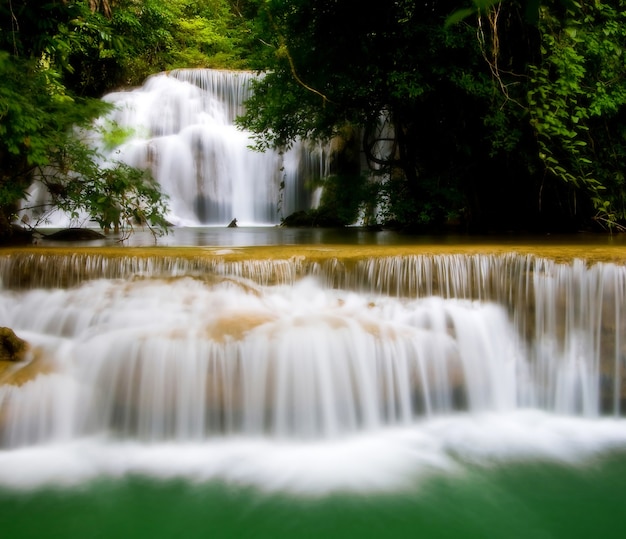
[95,53]
[40,121]
[479,6]
[342,198]
[577,98]
[334,65]
[36,111]
[113,135]
[114,195]
[496,111]
[501,112]
[397,206]
[159,36]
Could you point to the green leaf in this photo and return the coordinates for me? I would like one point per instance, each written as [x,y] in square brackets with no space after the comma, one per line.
[458,16]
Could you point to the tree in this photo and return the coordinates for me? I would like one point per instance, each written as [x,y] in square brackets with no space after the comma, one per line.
[41,122]
[159,35]
[577,103]
[512,117]
[571,88]
[415,88]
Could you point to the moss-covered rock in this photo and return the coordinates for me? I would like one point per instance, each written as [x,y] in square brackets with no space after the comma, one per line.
[12,348]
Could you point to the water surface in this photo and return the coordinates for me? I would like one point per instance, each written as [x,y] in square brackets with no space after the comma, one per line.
[544,461]
[525,501]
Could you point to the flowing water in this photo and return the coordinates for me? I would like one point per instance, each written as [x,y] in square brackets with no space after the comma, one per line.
[210,392]
[181,128]
[393,388]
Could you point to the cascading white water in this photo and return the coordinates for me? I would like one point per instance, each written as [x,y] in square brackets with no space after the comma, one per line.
[184,132]
[187,360]
[217,375]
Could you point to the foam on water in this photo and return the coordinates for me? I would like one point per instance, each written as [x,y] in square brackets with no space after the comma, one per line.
[385,460]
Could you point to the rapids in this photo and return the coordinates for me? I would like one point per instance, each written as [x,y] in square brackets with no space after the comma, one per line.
[307,374]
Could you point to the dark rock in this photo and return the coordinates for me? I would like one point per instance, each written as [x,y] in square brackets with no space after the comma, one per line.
[75,234]
[16,235]
[298,219]
[316,218]
[12,348]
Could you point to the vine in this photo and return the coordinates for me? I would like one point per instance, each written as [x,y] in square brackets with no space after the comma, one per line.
[576,92]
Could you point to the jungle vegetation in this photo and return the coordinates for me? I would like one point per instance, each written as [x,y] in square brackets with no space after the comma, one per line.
[490,116]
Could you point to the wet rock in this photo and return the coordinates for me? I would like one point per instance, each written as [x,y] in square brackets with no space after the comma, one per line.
[17,235]
[298,219]
[75,234]
[19,362]
[12,348]
[316,218]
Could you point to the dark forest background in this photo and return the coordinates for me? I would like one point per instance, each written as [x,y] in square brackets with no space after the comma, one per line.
[483,116]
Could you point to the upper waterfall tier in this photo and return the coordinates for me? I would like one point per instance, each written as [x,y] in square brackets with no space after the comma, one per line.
[183,131]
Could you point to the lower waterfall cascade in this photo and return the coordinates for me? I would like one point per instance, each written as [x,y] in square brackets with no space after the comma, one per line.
[332,372]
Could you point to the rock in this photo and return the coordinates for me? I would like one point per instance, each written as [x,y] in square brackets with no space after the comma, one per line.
[232,224]
[298,219]
[15,235]
[75,234]
[316,218]
[12,348]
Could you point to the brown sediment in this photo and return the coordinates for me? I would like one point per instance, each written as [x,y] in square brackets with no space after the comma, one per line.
[19,373]
[236,326]
[63,267]
[558,250]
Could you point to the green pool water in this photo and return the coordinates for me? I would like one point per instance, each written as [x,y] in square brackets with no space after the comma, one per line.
[521,500]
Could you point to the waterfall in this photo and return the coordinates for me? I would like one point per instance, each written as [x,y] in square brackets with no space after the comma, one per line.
[181,129]
[306,373]
[196,349]
[184,133]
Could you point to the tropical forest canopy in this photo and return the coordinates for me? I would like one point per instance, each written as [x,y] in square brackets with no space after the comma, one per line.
[488,115]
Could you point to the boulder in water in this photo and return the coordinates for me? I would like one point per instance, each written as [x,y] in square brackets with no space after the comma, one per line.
[315,218]
[12,348]
[75,234]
